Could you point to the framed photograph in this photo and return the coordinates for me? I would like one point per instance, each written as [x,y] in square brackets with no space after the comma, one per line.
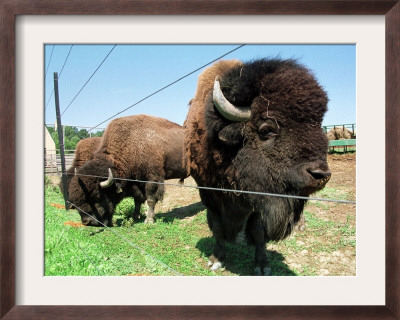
[367,290]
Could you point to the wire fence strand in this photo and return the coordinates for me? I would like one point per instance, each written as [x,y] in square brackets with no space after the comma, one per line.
[223,190]
[89,79]
[87,256]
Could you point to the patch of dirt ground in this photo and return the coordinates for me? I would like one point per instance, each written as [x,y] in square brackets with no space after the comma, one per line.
[343,168]
[178,198]
[74,224]
[343,181]
[58,206]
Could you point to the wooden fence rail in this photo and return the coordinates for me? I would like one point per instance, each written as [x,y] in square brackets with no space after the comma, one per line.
[52,162]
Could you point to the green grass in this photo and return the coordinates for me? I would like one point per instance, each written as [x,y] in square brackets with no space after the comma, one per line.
[174,244]
[332,193]
[71,250]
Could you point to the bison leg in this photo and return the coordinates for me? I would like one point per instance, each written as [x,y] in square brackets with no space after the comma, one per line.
[138,196]
[154,192]
[256,230]
[215,261]
[136,212]
[150,213]
[301,225]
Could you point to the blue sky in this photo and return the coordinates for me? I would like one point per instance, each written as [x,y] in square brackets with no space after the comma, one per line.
[132,72]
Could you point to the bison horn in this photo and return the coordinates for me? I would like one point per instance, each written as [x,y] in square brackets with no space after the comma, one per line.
[109,182]
[227,109]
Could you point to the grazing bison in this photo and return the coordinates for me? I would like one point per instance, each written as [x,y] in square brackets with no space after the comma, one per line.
[256,126]
[135,147]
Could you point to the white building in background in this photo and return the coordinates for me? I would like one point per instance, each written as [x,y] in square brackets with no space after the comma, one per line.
[50,160]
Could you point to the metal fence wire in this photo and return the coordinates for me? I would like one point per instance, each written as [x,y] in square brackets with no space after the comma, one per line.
[223,190]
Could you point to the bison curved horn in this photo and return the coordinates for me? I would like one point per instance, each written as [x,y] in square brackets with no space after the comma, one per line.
[109,182]
[227,109]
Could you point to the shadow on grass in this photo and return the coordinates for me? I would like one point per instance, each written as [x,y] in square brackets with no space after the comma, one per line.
[240,258]
[120,221]
[181,213]
[168,217]
[342,151]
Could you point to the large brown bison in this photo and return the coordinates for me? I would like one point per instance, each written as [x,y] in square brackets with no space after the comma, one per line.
[256,126]
[135,147]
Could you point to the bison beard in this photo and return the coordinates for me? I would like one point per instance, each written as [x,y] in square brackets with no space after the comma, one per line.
[133,148]
[256,126]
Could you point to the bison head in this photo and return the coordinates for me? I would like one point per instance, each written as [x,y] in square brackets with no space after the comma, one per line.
[270,148]
[94,196]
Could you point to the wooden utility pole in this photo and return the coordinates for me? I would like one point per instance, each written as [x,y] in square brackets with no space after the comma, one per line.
[61,141]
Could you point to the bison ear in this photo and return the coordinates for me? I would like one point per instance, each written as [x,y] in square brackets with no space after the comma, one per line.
[232,134]
[119,189]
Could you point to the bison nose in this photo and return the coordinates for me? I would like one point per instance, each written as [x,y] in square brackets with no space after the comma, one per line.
[319,174]
[86,221]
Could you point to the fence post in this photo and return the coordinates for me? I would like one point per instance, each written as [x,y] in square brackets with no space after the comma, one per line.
[61,140]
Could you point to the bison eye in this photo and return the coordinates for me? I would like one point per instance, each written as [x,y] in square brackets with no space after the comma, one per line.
[266,131]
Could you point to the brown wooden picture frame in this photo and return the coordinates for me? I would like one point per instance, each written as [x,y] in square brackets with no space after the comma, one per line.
[10,9]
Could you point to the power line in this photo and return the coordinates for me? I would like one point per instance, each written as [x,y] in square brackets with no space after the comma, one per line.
[66,59]
[47,68]
[47,103]
[89,79]
[181,78]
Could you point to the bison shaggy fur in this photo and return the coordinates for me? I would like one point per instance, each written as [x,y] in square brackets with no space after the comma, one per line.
[85,151]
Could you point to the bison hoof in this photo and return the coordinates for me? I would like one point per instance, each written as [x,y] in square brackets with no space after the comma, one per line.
[262,272]
[150,221]
[214,265]
[300,227]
